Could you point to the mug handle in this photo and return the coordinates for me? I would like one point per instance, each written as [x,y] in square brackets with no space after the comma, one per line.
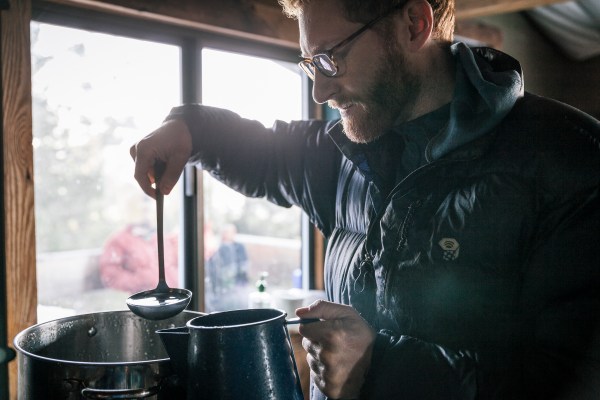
[141,393]
[298,395]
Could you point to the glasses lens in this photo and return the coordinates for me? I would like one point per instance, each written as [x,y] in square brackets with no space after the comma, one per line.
[325,64]
[308,68]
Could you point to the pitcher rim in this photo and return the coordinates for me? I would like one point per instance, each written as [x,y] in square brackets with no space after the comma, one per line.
[280,314]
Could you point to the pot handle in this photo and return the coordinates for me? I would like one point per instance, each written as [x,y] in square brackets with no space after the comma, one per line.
[142,393]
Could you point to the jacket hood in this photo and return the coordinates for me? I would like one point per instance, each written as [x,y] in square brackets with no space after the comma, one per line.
[488,83]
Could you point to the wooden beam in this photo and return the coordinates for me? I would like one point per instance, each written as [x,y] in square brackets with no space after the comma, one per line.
[479,8]
[260,20]
[473,8]
[239,18]
[17,151]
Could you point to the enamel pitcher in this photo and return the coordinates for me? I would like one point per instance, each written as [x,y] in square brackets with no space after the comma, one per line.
[239,354]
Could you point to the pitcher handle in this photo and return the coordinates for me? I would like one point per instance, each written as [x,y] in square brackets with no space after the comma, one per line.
[299,395]
[141,393]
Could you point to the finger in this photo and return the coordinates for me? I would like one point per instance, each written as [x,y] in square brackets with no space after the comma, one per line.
[144,172]
[318,332]
[318,373]
[326,310]
[317,380]
[311,347]
[133,151]
[314,365]
[306,345]
[306,311]
[172,173]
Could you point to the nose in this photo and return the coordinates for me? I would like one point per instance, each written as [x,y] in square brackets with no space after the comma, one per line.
[323,89]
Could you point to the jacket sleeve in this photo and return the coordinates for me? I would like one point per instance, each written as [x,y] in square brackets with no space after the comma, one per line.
[560,295]
[289,164]
[554,352]
[404,367]
[561,303]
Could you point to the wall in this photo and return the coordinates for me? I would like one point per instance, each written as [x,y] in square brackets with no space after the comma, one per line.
[547,71]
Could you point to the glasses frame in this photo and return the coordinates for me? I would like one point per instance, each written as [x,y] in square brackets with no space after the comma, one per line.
[312,64]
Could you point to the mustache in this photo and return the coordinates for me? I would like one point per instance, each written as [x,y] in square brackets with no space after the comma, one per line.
[339,103]
[333,104]
[342,103]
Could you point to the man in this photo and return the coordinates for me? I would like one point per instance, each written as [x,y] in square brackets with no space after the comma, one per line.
[462,214]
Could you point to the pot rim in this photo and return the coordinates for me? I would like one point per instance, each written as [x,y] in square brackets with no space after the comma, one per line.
[21,351]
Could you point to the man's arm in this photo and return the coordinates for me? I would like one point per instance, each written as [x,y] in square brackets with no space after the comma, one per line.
[291,163]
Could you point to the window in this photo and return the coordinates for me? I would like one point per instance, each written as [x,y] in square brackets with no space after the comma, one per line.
[246,238]
[95,94]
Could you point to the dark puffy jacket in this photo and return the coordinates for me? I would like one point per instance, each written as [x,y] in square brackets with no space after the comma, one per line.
[480,270]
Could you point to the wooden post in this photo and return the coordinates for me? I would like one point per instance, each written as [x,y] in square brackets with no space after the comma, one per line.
[17,217]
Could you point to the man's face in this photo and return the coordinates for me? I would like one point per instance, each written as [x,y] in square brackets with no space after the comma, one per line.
[374,86]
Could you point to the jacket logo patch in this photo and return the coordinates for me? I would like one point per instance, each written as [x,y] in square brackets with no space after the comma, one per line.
[450,248]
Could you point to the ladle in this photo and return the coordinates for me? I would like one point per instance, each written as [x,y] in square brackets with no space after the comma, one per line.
[162,302]
[297,320]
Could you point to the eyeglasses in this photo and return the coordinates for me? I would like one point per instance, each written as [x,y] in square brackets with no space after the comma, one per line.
[324,62]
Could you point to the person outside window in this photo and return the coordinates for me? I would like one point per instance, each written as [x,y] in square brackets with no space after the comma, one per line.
[129,259]
[227,273]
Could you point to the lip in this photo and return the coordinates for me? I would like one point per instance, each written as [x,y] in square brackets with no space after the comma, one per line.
[338,105]
[346,109]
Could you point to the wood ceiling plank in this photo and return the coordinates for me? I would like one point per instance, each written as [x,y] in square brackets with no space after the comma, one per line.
[248,19]
[478,8]
[472,8]
[262,19]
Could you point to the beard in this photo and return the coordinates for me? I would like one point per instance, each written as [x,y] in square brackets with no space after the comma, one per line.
[391,96]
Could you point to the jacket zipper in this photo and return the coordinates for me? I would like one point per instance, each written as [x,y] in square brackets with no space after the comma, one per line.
[388,199]
[407,219]
[403,240]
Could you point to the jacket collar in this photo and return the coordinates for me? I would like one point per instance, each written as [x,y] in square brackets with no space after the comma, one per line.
[489,83]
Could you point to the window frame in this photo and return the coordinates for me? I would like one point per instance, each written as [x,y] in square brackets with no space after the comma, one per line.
[191,42]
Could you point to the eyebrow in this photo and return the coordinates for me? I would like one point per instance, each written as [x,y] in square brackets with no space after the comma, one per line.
[319,50]
[316,51]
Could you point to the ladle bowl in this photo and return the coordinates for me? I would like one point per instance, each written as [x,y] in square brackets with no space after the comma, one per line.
[162,302]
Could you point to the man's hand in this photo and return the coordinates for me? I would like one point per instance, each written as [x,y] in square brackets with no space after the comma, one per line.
[171,143]
[339,348]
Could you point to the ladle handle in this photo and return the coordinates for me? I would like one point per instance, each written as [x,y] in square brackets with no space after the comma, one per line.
[159,168]
[299,320]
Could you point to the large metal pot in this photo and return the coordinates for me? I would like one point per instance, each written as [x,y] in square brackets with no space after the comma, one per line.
[108,355]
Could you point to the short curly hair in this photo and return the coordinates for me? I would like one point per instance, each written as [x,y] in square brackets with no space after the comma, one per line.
[363,11]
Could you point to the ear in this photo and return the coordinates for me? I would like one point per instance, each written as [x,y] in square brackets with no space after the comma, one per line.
[419,18]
